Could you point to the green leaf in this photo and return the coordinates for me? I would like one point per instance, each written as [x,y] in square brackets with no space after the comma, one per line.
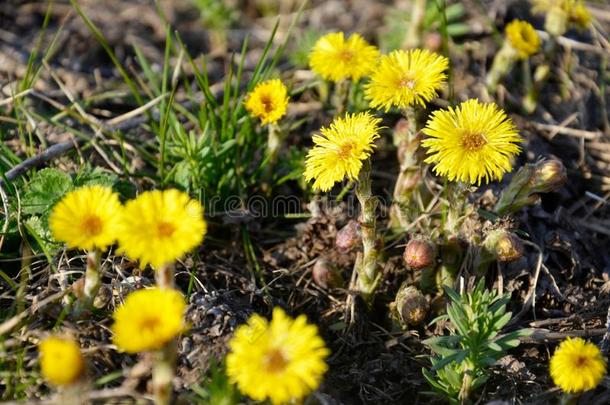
[455,297]
[95,177]
[456,357]
[500,322]
[44,190]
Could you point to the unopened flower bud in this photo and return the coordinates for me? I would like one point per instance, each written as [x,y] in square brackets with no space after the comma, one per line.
[504,245]
[326,275]
[411,306]
[349,236]
[433,41]
[419,254]
[549,175]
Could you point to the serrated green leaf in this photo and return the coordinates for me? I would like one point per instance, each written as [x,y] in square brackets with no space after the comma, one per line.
[44,190]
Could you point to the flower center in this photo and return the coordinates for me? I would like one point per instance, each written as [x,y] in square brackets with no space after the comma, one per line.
[165,229]
[408,82]
[472,142]
[346,55]
[581,361]
[92,225]
[267,103]
[345,150]
[275,361]
[150,324]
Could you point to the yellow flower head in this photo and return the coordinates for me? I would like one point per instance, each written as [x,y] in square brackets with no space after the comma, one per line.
[159,227]
[574,11]
[281,360]
[340,150]
[471,142]
[335,58]
[87,218]
[577,365]
[149,319]
[268,101]
[522,38]
[580,15]
[61,361]
[406,78]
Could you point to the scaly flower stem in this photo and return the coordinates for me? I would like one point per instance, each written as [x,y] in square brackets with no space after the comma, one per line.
[274,142]
[416,26]
[164,276]
[163,373]
[503,62]
[72,394]
[341,96]
[407,142]
[541,75]
[367,268]
[92,277]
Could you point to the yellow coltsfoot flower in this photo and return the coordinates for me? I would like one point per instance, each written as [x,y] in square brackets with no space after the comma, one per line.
[577,366]
[268,101]
[338,153]
[406,78]
[159,227]
[61,361]
[281,360]
[149,319]
[523,38]
[87,218]
[334,58]
[471,142]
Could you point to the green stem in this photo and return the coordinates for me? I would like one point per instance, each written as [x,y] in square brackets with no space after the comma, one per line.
[163,373]
[367,268]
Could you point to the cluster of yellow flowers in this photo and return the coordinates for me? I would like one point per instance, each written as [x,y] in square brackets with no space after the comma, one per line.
[156,228]
[283,360]
[469,143]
